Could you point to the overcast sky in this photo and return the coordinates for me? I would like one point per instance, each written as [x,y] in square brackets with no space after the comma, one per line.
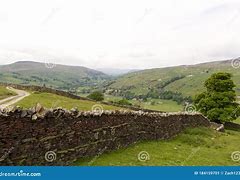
[119,33]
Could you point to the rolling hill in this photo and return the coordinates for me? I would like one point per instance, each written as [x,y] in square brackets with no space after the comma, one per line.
[56,76]
[187,79]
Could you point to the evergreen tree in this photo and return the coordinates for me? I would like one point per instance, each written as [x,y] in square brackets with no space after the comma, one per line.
[218,102]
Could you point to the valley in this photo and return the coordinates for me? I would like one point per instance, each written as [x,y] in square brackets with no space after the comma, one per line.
[162,89]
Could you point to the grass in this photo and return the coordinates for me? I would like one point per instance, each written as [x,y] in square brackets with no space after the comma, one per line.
[49,100]
[142,81]
[163,105]
[153,104]
[61,76]
[199,146]
[4,93]
[237,120]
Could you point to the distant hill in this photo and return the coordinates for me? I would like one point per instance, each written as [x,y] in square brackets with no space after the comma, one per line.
[116,72]
[188,79]
[56,76]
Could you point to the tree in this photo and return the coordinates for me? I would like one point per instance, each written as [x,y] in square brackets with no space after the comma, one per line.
[97,96]
[124,102]
[218,102]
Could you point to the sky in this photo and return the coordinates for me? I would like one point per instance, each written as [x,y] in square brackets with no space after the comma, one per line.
[132,34]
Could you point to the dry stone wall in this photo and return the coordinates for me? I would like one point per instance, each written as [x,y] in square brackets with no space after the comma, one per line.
[70,135]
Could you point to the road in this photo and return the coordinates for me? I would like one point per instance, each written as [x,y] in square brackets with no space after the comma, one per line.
[7,102]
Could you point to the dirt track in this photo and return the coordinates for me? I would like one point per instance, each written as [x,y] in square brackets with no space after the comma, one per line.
[4,103]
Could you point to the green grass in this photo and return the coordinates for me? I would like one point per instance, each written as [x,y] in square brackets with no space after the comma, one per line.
[237,120]
[199,146]
[140,82]
[49,100]
[4,93]
[163,105]
[159,104]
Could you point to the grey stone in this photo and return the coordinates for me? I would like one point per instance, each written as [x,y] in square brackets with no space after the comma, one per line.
[34,117]
[24,113]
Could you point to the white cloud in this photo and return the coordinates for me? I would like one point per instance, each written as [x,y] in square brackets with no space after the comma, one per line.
[120,34]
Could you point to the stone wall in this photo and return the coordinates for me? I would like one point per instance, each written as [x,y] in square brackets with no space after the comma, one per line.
[71,134]
[232,126]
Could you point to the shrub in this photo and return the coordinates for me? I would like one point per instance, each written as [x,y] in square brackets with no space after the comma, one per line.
[97,96]
[124,102]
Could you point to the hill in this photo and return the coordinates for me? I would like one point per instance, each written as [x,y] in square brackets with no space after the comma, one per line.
[194,147]
[116,72]
[187,80]
[56,76]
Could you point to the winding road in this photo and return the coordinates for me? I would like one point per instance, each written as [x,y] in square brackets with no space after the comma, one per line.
[4,103]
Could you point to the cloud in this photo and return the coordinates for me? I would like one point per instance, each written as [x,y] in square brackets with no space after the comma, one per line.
[119,34]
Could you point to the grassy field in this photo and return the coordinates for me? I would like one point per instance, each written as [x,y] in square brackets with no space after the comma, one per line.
[4,93]
[52,101]
[153,104]
[199,146]
[163,105]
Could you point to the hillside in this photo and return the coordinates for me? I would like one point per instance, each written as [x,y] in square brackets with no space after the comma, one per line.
[194,147]
[115,71]
[188,79]
[60,76]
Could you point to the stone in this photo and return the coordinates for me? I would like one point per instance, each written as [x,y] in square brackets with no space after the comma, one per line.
[220,128]
[74,110]
[24,113]
[30,112]
[38,108]
[217,127]
[34,117]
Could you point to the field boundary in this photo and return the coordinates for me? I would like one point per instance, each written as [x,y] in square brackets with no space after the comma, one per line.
[70,135]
